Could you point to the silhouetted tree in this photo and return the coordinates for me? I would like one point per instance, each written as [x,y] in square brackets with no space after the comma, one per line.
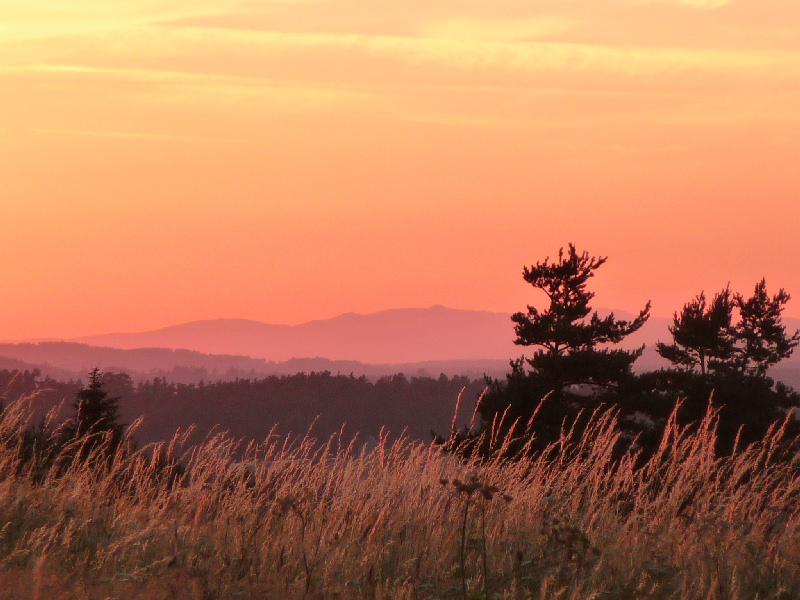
[96,418]
[572,365]
[761,336]
[710,338]
[568,342]
[733,353]
[702,334]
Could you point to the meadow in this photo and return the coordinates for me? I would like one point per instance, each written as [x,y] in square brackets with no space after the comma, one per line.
[296,518]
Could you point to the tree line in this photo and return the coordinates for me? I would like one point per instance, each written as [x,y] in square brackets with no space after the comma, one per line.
[320,403]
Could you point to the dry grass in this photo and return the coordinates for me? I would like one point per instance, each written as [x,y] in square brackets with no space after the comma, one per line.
[303,521]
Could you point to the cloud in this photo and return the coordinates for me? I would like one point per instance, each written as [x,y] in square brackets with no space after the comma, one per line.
[100,94]
[502,30]
[700,4]
[129,135]
[448,63]
[385,60]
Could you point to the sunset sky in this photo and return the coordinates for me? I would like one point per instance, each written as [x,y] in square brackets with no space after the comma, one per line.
[164,161]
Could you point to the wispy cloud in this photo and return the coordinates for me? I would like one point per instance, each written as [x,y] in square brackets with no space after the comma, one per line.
[362,59]
[295,92]
[423,75]
[701,4]
[130,135]
[502,30]
[268,129]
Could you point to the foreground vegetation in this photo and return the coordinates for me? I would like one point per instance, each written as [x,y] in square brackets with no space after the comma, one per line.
[288,519]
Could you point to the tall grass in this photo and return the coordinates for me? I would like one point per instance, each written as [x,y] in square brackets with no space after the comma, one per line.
[297,519]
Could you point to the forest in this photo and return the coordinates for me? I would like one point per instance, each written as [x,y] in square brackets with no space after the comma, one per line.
[317,403]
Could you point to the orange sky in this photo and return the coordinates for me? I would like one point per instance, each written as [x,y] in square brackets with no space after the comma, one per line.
[164,161]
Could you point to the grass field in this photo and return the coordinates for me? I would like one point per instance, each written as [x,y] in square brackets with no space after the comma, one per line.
[300,520]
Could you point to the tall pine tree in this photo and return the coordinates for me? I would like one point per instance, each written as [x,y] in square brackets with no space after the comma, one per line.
[572,346]
[573,365]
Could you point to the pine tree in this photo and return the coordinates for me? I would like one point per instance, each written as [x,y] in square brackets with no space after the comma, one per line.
[571,344]
[761,337]
[572,366]
[702,334]
[725,348]
[96,418]
[705,336]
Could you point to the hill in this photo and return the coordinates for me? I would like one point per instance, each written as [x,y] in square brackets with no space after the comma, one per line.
[391,336]
[413,341]
[406,335]
[70,360]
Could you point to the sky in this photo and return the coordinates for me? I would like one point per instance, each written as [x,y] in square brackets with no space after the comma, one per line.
[164,161]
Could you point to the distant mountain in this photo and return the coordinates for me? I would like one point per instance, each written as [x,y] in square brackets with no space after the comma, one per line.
[391,336]
[14,364]
[416,342]
[432,340]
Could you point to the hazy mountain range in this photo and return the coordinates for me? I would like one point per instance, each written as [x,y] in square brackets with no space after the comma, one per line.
[414,341]
[390,336]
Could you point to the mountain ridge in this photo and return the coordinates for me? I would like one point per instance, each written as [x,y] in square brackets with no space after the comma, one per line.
[416,341]
[404,336]
[390,336]
[450,333]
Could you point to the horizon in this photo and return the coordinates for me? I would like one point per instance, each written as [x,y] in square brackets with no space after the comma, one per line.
[81,336]
[285,162]
[601,310]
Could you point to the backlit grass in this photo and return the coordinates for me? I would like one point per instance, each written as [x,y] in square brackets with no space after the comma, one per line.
[296,519]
